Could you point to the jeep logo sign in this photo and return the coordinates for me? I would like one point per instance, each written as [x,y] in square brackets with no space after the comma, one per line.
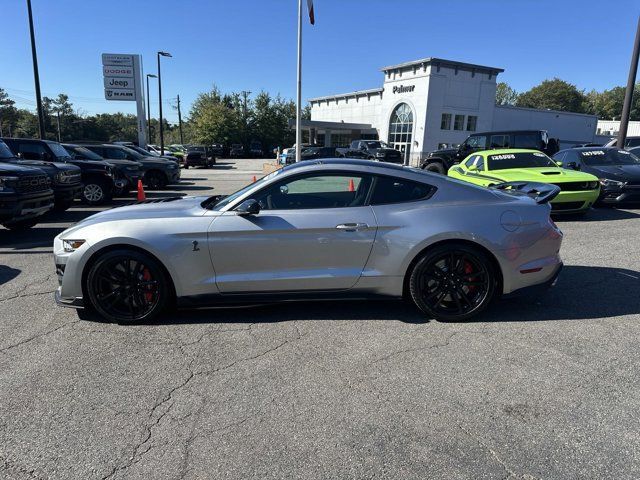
[403,89]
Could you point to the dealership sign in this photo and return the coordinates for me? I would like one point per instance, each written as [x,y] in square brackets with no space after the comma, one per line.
[122,79]
[403,88]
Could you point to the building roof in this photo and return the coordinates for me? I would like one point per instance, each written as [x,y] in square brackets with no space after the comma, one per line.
[444,63]
[357,93]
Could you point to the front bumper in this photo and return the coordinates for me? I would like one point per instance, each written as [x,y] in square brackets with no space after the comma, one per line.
[15,207]
[573,202]
[626,194]
[72,302]
[65,193]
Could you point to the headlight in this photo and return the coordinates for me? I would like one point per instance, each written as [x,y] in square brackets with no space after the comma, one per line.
[72,245]
[607,182]
[380,154]
[63,177]
[4,180]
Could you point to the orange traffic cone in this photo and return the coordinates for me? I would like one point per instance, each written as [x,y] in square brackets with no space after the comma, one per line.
[141,195]
[254,179]
[352,188]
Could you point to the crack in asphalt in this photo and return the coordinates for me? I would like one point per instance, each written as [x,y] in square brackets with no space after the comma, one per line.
[20,292]
[416,349]
[39,335]
[510,473]
[18,295]
[8,466]
[139,449]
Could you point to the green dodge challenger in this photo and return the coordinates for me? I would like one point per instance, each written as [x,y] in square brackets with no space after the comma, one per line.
[578,190]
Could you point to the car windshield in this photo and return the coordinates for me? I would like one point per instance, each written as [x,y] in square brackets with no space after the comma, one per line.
[59,151]
[5,152]
[223,202]
[133,153]
[83,152]
[609,157]
[504,161]
[377,145]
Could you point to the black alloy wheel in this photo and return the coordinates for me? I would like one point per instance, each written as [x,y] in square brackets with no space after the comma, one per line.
[453,282]
[155,180]
[126,286]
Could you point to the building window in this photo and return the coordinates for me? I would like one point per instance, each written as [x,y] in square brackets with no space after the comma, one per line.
[458,124]
[472,121]
[445,123]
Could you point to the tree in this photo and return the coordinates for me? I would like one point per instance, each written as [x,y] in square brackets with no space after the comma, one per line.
[608,104]
[216,118]
[554,94]
[505,95]
[8,113]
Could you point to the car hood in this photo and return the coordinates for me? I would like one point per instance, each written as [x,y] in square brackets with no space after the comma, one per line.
[123,163]
[15,169]
[444,151]
[49,166]
[624,173]
[174,207]
[539,174]
[159,161]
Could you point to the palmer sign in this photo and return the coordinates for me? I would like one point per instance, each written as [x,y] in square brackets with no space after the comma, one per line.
[403,88]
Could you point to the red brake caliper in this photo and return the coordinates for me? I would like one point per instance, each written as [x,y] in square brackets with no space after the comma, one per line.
[468,268]
[148,294]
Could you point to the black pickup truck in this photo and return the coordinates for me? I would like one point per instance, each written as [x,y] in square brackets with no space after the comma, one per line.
[66,179]
[25,193]
[439,161]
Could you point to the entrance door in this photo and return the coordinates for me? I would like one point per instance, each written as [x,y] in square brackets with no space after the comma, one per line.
[401,130]
[313,233]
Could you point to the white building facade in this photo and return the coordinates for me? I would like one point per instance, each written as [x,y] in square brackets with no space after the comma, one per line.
[431,103]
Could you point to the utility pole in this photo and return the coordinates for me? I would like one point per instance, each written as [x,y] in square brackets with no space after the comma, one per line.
[58,120]
[36,75]
[161,54]
[149,75]
[245,94]
[180,122]
[628,96]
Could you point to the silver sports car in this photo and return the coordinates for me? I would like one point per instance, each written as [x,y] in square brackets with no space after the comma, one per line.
[316,229]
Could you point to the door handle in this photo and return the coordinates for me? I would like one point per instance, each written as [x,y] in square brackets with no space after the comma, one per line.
[352,227]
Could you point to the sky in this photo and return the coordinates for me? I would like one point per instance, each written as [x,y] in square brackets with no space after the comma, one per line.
[251,44]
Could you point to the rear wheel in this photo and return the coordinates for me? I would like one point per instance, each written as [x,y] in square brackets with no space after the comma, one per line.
[127,286]
[453,282]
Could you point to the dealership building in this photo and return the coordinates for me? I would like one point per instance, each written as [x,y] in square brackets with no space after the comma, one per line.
[431,103]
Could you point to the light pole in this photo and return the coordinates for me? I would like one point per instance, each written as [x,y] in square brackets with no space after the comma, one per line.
[36,76]
[149,106]
[161,54]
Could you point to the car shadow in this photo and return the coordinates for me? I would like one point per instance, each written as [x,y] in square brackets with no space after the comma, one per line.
[596,215]
[582,293]
[8,273]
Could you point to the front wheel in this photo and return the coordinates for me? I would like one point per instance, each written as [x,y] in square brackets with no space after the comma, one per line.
[95,193]
[126,286]
[155,180]
[434,167]
[453,282]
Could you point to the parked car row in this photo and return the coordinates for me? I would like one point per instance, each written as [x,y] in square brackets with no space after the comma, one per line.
[41,175]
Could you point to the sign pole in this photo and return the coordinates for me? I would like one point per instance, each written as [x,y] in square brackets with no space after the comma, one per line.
[628,96]
[299,87]
[140,106]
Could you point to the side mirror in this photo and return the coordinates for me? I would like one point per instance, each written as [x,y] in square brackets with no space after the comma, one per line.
[573,166]
[472,168]
[558,163]
[248,207]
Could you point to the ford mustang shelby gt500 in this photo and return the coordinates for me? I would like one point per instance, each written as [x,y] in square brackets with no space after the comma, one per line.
[578,190]
[316,229]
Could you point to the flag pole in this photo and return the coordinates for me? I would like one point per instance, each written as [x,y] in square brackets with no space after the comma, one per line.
[299,90]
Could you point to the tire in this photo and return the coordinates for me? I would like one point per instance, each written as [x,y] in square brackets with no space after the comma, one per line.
[62,205]
[126,286]
[185,166]
[21,225]
[96,192]
[155,180]
[453,282]
[435,167]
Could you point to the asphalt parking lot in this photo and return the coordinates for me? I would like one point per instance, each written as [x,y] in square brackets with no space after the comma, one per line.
[535,388]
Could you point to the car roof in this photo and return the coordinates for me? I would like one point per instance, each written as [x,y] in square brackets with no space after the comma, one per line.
[346,163]
[498,132]
[586,149]
[503,151]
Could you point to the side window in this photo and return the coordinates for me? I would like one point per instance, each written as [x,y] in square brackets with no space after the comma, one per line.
[526,140]
[633,142]
[559,157]
[30,150]
[499,141]
[115,153]
[470,161]
[98,151]
[316,191]
[388,190]
[477,141]
[571,156]
[480,162]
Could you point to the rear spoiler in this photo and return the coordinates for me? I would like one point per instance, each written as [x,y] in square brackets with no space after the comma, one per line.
[540,192]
